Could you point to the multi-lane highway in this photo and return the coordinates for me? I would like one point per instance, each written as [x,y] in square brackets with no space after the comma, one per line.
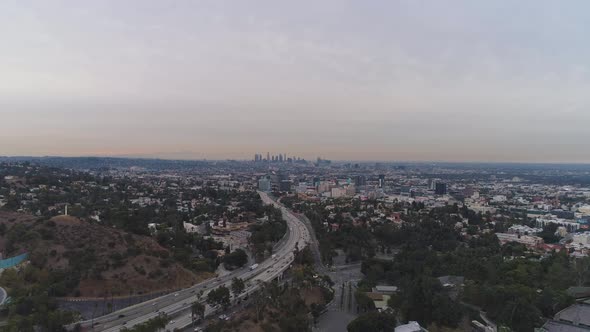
[177,305]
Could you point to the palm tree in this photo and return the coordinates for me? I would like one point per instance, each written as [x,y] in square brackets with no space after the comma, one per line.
[237,286]
[259,298]
[197,310]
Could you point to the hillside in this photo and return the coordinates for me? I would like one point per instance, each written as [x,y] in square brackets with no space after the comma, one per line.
[91,260]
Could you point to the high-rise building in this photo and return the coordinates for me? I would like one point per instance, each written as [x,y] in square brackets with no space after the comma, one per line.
[381,180]
[264,184]
[360,180]
[431,184]
[316,181]
[440,189]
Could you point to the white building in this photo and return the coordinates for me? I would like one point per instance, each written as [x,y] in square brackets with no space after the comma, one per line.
[190,228]
[585,210]
[549,218]
[523,230]
[152,227]
[338,192]
[527,240]
[410,327]
[499,198]
[582,238]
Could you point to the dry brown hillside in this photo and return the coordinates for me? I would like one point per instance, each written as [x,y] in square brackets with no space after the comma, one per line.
[98,261]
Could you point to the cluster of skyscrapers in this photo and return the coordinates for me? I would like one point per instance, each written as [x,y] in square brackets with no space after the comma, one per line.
[280,158]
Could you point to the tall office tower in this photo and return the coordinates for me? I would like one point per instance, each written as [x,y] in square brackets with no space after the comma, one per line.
[280,158]
[441,188]
[381,180]
[316,181]
[432,184]
[360,180]
[268,156]
[264,184]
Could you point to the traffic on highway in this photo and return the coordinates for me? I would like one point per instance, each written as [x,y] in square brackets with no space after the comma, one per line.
[177,305]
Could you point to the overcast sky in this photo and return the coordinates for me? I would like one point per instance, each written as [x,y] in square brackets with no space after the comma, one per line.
[346,80]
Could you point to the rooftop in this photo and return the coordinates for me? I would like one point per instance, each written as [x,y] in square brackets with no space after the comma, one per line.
[577,314]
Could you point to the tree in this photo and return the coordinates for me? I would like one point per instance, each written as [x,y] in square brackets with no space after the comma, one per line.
[236,259]
[219,296]
[446,311]
[374,322]
[582,269]
[260,300]
[363,301]
[197,311]
[548,233]
[237,286]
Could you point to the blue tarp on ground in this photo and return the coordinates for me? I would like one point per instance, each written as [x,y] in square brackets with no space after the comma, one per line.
[12,261]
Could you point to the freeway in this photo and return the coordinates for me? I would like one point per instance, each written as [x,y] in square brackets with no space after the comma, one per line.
[177,305]
[298,235]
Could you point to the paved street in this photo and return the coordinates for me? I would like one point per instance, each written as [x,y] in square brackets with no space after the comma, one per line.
[343,309]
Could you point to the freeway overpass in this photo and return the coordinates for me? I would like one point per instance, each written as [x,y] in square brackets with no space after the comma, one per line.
[177,305]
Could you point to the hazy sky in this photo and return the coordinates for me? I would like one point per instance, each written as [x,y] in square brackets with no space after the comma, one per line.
[374,80]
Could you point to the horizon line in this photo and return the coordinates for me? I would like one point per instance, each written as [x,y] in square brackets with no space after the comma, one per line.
[308,160]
